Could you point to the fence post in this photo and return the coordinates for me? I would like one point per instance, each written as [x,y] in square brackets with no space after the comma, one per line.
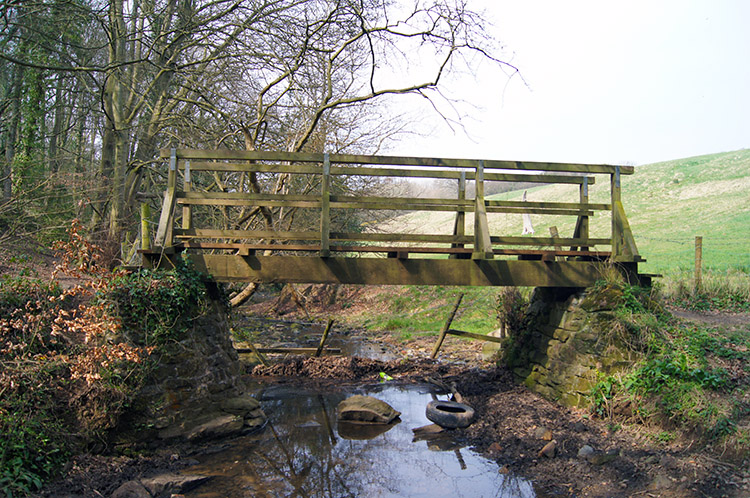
[459,225]
[187,210]
[325,207]
[166,220]
[616,197]
[482,242]
[698,264]
[145,229]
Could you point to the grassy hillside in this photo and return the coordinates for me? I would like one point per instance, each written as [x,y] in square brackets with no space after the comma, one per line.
[668,205]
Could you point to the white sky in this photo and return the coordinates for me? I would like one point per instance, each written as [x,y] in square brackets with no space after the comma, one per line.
[603,82]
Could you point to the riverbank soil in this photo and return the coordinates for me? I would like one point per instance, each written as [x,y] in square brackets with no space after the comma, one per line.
[564,451]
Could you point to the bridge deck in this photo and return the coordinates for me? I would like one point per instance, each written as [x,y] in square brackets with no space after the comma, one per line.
[237,211]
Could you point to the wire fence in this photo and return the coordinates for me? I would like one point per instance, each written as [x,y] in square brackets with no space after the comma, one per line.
[678,253]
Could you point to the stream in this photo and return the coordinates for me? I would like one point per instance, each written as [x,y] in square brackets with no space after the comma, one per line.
[304,452]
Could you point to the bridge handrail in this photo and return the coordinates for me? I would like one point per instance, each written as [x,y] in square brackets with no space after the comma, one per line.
[190,161]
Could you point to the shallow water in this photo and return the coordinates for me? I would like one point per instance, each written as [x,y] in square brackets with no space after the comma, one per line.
[304,452]
[295,333]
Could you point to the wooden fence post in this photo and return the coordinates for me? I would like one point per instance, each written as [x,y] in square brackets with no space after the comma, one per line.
[145,229]
[482,243]
[325,208]
[187,210]
[459,225]
[616,197]
[446,326]
[698,264]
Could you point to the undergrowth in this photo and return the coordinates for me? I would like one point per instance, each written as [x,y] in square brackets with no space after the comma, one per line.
[71,360]
[719,290]
[691,379]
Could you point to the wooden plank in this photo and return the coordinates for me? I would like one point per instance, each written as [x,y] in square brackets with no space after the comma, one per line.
[459,224]
[396,172]
[163,238]
[209,233]
[145,226]
[286,350]
[189,244]
[325,208]
[627,242]
[187,213]
[616,197]
[481,337]
[482,243]
[582,223]
[580,206]
[446,326]
[396,160]
[381,237]
[324,337]
[383,271]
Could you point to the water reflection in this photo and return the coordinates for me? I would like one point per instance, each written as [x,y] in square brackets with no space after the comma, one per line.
[304,453]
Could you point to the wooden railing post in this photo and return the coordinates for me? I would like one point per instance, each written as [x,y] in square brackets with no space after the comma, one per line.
[459,225]
[145,228]
[616,197]
[482,243]
[187,211]
[325,207]
[698,264]
[582,223]
[166,219]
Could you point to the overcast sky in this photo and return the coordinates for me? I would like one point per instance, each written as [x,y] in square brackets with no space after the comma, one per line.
[603,82]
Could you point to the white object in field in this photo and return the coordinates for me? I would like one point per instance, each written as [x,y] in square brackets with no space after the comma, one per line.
[528,228]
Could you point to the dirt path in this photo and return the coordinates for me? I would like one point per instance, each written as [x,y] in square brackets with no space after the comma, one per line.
[713,318]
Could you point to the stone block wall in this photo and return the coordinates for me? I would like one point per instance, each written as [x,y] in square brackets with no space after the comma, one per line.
[571,339]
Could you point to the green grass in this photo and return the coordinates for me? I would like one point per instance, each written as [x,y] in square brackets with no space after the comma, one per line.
[424,309]
[692,378]
[668,204]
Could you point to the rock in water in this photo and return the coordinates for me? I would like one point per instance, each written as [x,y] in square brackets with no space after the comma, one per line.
[366,409]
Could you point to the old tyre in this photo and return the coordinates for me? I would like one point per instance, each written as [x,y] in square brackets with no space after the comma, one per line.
[450,414]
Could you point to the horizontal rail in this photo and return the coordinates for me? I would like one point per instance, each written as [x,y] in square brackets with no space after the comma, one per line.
[395,172]
[384,237]
[385,203]
[224,154]
[189,244]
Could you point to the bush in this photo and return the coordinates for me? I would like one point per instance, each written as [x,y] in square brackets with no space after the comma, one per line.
[68,369]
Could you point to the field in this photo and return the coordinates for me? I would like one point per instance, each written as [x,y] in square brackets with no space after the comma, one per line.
[668,204]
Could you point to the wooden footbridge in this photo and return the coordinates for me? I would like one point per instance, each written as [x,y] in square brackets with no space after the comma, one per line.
[234,213]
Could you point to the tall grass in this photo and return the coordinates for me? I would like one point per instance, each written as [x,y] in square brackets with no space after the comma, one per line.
[726,290]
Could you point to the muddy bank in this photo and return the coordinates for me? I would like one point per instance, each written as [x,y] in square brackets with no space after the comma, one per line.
[514,425]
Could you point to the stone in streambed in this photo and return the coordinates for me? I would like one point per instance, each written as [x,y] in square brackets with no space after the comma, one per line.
[366,409]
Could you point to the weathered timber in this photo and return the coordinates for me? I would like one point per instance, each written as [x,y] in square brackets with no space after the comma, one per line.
[397,172]
[189,244]
[224,154]
[446,326]
[472,335]
[378,271]
[336,261]
[324,338]
[286,350]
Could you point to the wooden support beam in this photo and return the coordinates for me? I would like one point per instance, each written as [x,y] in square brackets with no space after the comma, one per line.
[226,154]
[324,337]
[459,224]
[289,350]
[482,242]
[325,208]
[446,326]
[164,232]
[312,169]
[471,335]
[187,210]
[379,271]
